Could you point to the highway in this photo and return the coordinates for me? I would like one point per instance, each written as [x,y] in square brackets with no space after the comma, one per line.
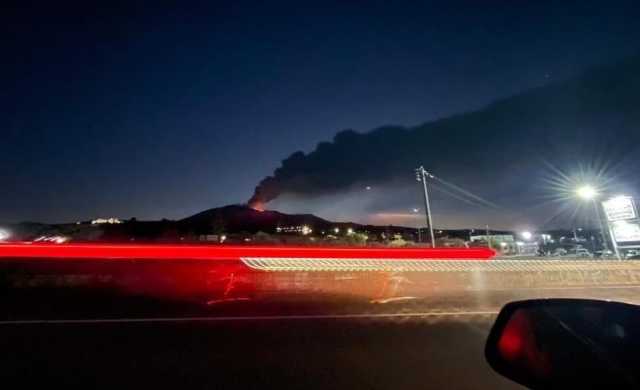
[304,325]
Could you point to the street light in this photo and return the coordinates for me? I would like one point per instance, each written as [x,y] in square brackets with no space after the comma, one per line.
[526,235]
[587,192]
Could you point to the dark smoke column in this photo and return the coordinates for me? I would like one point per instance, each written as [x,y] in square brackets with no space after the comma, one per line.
[273,186]
[266,191]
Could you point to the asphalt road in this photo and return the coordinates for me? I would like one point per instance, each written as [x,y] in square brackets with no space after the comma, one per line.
[194,325]
[297,354]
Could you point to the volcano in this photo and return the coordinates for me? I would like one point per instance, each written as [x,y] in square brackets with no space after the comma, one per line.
[236,218]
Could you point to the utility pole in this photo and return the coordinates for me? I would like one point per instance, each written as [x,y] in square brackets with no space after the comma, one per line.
[422,175]
[488,237]
[605,244]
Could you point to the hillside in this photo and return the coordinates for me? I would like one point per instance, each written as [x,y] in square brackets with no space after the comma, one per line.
[236,218]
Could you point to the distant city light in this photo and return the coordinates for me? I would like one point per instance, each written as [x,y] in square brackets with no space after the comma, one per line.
[306,230]
[415,210]
[336,230]
[368,188]
[350,231]
[587,192]
[54,239]
[526,235]
[100,221]
[4,234]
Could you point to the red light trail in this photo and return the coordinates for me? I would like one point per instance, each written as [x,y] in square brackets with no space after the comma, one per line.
[207,252]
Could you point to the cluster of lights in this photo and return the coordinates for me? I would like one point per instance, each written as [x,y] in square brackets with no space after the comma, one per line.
[304,229]
[52,239]
[100,221]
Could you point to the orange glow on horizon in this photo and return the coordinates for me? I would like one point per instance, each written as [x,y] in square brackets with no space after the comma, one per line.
[257,206]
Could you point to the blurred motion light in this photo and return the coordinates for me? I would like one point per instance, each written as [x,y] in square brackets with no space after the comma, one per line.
[526,235]
[4,234]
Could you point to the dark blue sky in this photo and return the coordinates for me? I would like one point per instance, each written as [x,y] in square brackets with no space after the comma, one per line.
[164,110]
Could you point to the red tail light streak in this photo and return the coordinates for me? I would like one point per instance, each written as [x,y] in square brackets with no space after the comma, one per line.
[213,253]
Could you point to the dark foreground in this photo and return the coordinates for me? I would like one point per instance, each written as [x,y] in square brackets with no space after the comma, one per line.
[193,325]
[308,354]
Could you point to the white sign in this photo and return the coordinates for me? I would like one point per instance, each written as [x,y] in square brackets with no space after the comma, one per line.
[624,231]
[619,208]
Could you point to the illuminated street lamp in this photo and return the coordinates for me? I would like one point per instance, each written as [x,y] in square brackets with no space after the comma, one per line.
[587,192]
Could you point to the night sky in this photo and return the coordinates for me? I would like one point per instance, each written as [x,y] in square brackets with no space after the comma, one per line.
[153,111]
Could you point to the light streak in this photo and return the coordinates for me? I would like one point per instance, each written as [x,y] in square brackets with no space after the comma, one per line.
[224,252]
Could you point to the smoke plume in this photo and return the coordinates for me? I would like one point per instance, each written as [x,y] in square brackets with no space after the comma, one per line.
[495,152]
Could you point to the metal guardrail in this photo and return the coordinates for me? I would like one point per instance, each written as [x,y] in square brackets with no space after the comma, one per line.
[427,265]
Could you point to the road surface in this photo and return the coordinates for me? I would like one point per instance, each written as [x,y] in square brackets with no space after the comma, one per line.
[196,325]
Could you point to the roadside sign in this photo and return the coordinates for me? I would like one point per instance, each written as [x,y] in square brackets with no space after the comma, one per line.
[620,208]
[625,231]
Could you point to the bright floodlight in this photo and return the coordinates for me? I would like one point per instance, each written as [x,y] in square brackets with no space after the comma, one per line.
[4,234]
[526,235]
[587,192]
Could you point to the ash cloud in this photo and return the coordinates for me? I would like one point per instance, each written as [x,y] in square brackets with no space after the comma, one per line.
[499,152]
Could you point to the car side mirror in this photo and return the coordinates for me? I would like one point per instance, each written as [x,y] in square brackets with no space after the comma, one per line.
[567,343]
